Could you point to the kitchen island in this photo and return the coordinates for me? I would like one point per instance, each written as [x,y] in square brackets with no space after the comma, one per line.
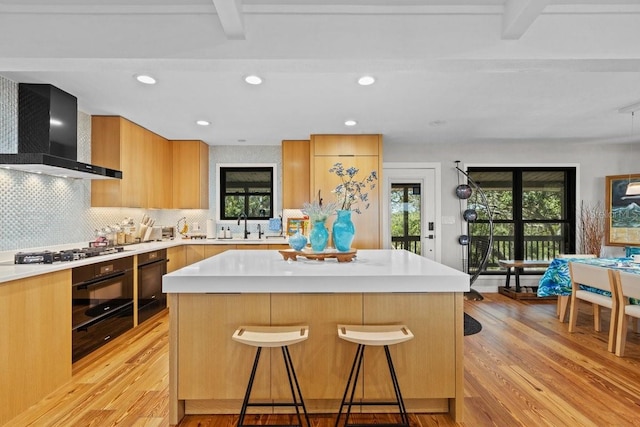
[208,300]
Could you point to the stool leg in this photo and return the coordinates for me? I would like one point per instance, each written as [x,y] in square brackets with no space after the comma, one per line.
[245,402]
[355,367]
[396,387]
[288,363]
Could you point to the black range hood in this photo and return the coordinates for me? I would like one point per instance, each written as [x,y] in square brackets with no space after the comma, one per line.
[47,136]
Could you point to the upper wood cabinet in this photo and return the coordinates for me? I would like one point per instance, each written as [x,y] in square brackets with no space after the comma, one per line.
[346,145]
[190,175]
[160,174]
[143,157]
[295,173]
[156,173]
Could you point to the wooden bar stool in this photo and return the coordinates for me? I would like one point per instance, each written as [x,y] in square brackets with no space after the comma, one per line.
[376,335]
[273,336]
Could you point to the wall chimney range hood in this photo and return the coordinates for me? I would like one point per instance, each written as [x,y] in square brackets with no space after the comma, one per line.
[47,136]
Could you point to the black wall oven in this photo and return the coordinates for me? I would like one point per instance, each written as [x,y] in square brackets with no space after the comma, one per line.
[102,304]
[151,267]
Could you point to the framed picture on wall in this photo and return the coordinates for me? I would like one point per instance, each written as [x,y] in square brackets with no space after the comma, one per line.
[622,224]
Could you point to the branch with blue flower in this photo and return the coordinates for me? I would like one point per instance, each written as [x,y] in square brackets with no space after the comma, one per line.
[350,191]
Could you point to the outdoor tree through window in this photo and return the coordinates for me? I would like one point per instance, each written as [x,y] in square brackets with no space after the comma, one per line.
[533,212]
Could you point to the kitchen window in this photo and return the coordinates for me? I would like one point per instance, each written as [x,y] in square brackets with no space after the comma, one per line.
[246,189]
[533,208]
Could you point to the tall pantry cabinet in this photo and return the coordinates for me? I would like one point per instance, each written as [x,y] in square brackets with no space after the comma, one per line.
[364,152]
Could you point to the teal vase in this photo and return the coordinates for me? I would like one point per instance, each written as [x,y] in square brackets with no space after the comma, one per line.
[297,241]
[343,231]
[319,236]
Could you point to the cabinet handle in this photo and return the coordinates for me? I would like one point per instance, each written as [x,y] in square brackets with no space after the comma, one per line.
[107,338]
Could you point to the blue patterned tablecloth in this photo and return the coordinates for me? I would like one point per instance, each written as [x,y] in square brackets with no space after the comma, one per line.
[557,281]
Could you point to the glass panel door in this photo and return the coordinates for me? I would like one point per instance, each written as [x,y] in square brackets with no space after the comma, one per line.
[406,215]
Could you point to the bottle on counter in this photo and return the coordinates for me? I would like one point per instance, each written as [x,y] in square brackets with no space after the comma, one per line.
[221,233]
[227,233]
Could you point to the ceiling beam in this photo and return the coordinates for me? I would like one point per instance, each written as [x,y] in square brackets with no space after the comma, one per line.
[519,15]
[231,18]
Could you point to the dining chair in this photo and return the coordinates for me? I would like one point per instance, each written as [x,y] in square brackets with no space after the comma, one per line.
[563,300]
[596,277]
[627,285]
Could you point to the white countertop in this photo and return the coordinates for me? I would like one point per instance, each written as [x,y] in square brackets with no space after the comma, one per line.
[10,271]
[246,271]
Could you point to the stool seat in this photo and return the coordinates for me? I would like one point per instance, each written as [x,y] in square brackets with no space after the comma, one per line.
[271,336]
[376,335]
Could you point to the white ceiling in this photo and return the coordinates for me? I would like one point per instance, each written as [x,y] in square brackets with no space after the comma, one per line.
[447,71]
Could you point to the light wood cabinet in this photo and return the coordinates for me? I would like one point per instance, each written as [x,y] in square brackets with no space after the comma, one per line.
[160,171]
[177,258]
[364,153]
[324,352]
[143,157]
[346,145]
[211,364]
[194,253]
[212,250]
[35,340]
[421,371]
[295,173]
[190,174]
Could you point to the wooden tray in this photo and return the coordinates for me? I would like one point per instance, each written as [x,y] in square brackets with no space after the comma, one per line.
[292,254]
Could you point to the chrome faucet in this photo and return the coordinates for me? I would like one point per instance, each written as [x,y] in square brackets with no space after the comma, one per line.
[244,216]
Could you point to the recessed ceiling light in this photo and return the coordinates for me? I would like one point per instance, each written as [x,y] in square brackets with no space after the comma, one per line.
[242,140]
[366,80]
[350,123]
[253,80]
[203,122]
[148,80]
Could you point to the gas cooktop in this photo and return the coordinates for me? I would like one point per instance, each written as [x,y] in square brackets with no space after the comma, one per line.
[49,257]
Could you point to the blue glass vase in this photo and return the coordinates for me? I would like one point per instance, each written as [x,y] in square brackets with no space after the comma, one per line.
[343,231]
[319,236]
[298,241]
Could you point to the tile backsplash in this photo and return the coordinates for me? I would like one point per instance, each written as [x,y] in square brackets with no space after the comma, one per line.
[40,211]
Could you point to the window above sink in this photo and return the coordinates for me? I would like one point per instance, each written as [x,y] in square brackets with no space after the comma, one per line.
[246,188]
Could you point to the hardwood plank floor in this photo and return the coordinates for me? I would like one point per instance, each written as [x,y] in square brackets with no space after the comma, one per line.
[522,369]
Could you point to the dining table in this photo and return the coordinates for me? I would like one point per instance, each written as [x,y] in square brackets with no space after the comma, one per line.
[556,280]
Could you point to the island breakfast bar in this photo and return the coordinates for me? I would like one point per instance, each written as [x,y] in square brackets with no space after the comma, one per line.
[208,300]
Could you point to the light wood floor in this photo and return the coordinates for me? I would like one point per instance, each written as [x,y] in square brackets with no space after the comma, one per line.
[523,369]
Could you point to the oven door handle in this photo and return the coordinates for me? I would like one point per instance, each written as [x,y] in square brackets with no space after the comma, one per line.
[97,280]
[151,263]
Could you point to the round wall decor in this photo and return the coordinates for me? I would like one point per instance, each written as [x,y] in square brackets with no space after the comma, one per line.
[463,191]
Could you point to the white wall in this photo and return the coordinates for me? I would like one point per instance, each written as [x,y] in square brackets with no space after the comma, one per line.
[595,163]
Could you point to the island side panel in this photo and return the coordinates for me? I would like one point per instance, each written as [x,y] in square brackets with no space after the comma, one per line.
[425,365]
[322,362]
[213,369]
[176,406]
[456,404]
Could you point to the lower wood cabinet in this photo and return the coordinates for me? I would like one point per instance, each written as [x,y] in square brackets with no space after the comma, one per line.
[211,365]
[35,340]
[176,258]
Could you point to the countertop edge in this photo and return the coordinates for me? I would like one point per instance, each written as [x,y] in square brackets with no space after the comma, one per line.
[10,272]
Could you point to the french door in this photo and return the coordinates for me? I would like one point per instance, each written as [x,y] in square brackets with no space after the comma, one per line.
[410,208]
